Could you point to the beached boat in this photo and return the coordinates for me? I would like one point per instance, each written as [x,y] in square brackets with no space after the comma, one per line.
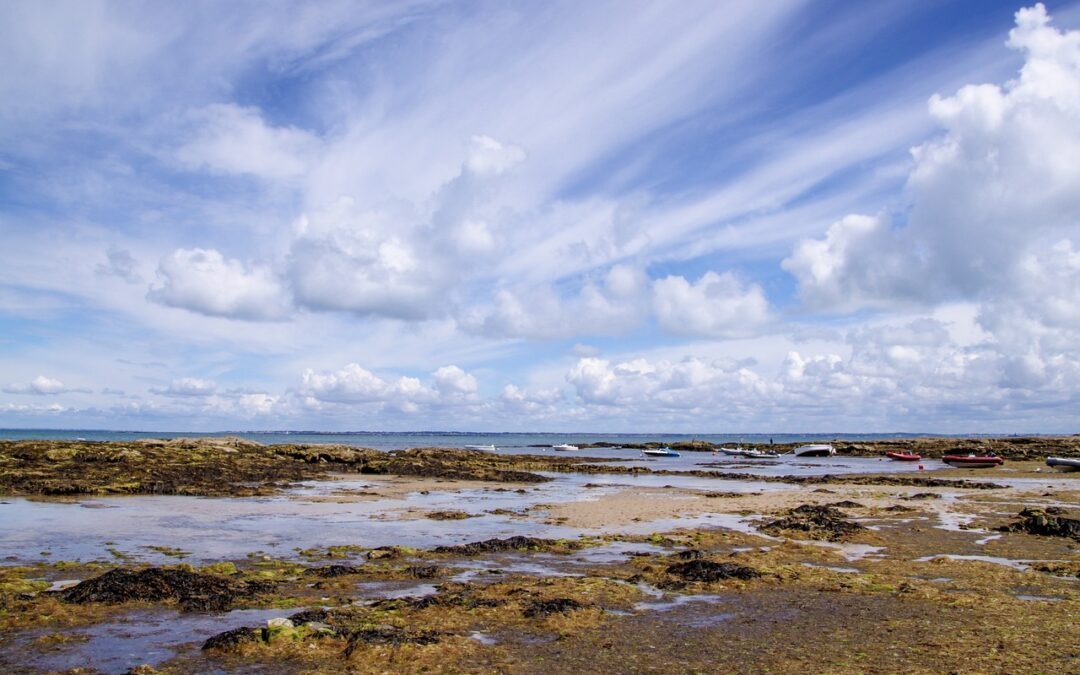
[1063,463]
[815,450]
[973,461]
[660,452]
[903,456]
[564,446]
[485,448]
[761,454]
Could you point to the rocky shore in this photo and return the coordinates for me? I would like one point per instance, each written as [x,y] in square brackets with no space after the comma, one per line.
[844,573]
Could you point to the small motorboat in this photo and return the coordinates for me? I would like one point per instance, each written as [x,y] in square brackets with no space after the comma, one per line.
[903,456]
[660,452]
[733,452]
[761,454]
[564,446]
[1063,463]
[973,461]
[485,448]
[815,450]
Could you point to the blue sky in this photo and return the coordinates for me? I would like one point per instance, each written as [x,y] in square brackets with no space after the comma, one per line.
[701,217]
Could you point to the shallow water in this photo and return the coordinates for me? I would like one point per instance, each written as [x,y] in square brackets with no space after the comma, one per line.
[144,636]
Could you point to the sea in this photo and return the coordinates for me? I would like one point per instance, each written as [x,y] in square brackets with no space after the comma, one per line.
[394,440]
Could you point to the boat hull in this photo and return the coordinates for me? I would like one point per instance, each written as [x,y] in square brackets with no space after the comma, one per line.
[815,451]
[903,457]
[657,453]
[972,462]
[1063,464]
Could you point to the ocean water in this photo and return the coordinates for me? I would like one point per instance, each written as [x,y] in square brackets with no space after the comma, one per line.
[419,439]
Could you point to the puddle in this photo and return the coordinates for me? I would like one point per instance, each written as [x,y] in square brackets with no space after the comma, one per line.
[1015,564]
[147,636]
[851,552]
[1038,598]
[984,540]
[483,638]
[676,601]
[389,590]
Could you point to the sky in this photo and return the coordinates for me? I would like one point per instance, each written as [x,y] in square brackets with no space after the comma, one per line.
[699,217]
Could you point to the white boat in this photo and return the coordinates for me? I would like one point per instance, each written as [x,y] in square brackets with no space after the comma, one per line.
[1063,463]
[660,452]
[733,452]
[815,450]
[564,446]
[485,448]
[761,454]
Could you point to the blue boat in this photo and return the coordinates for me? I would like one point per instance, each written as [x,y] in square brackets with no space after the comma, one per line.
[660,452]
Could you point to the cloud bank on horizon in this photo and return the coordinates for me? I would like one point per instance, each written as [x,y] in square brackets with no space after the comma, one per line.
[709,217]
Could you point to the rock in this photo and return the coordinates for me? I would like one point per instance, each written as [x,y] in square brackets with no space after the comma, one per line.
[1045,522]
[280,623]
[541,608]
[194,591]
[709,571]
[384,553]
[846,504]
[498,545]
[923,495]
[422,571]
[389,635]
[816,522]
[61,454]
[448,515]
[332,571]
[231,639]
[690,554]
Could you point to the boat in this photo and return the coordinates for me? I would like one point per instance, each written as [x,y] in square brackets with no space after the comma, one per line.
[660,452]
[564,446]
[758,454]
[485,448]
[815,450]
[761,454]
[973,461]
[1063,463]
[903,456]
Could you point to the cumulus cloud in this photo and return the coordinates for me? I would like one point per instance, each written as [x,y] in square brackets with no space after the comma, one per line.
[401,259]
[716,305]
[187,386]
[642,384]
[997,186]
[204,281]
[42,386]
[355,385]
[235,139]
[612,305]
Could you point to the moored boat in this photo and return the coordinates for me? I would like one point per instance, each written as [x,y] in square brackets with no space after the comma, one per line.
[564,446]
[1063,463]
[733,452]
[485,448]
[660,452]
[973,461]
[761,454]
[903,456]
[815,450]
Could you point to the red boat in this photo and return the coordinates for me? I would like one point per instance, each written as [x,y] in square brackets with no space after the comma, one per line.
[973,461]
[903,456]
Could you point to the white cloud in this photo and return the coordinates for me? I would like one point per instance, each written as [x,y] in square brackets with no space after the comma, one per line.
[187,386]
[613,305]
[452,381]
[235,139]
[716,305]
[206,282]
[42,386]
[999,185]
